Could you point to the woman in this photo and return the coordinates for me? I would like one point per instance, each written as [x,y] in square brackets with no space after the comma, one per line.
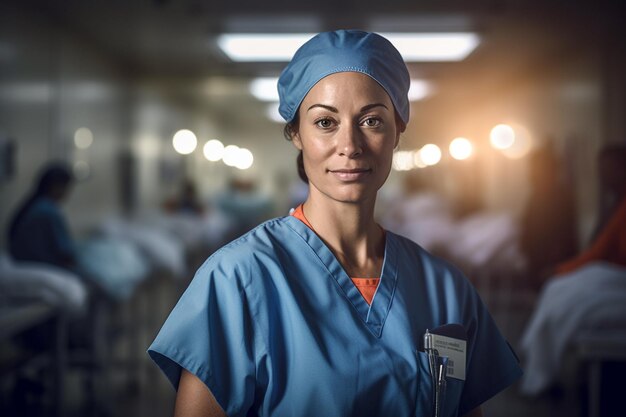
[323,312]
[38,231]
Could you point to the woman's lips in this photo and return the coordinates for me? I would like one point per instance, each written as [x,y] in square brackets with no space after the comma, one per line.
[350,174]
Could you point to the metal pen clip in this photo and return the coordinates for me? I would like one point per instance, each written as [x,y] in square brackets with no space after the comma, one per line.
[440,389]
[437,372]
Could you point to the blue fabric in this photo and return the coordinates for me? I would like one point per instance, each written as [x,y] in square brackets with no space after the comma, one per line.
[273,326]
[42,235]
[344,51]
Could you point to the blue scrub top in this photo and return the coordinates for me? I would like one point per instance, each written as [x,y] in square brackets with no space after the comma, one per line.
[42,235]
[273,326]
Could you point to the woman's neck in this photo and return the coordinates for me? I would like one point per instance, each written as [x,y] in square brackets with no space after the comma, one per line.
[351,233]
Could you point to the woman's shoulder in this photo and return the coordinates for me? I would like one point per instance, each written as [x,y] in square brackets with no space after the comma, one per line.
[249,249]
[262,236]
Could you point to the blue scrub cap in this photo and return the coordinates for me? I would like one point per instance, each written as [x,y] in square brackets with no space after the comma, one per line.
[344,51]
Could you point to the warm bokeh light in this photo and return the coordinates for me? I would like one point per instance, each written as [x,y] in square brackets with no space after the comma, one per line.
[418,162]
[502,136]
[461,148]
[403,161]
[231,153]
[184,142]
[237,157]
[430,154]
[522,145]
[244,159]
[83,138]
[213,150]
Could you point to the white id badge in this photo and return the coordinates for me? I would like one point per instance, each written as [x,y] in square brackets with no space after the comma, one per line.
[454,349]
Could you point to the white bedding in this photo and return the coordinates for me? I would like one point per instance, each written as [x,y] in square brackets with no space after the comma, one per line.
[163,250]
[52,285]
[585,301]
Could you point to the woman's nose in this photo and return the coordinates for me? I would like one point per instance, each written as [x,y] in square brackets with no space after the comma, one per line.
[350,142]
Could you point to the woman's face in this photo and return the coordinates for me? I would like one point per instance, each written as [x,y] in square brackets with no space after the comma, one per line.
[347,133]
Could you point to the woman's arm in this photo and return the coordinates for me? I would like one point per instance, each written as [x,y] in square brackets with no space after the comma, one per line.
[194,398]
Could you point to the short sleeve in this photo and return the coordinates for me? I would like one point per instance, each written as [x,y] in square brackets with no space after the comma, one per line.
[491,363]
[209,333]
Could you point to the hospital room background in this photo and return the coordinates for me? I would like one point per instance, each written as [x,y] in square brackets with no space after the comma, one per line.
[512,167]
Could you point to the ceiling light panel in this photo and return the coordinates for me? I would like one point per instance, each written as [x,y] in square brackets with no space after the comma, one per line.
[434,47]
[251,47]
[265,88]
[414,47]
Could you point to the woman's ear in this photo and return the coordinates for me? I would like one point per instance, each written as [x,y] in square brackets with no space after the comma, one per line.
[400,128]
[297,142]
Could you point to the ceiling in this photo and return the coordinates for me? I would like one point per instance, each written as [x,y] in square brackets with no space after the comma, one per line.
[172,43]
[168,38]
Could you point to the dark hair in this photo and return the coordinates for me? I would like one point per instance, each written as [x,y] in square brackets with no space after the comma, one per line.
[291,128]
[53,175]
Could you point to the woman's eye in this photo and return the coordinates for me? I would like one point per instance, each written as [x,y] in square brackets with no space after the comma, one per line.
[372,122]
[324,123]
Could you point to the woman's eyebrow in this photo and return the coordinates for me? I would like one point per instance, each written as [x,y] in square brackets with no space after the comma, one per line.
[334,109]
[371,106]
[324,106]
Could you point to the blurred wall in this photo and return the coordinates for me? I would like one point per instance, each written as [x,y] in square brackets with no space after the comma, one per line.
[160,109]
[52,84]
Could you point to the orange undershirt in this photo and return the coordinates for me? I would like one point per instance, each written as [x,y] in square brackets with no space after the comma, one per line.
[366,286]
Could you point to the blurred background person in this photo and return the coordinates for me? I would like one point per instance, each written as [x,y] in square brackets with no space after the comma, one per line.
[548,221]
[187,202]
[609,240]
[38,231]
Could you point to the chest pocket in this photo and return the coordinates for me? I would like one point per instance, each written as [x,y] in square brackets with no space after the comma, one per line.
[425,397]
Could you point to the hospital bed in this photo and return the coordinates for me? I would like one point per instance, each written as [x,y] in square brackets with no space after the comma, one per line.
[584,312]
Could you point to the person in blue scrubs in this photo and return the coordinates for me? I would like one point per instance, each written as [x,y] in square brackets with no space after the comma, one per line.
[38,231]
[276,323]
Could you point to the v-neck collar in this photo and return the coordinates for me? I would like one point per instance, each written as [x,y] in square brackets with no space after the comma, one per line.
[373,316]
